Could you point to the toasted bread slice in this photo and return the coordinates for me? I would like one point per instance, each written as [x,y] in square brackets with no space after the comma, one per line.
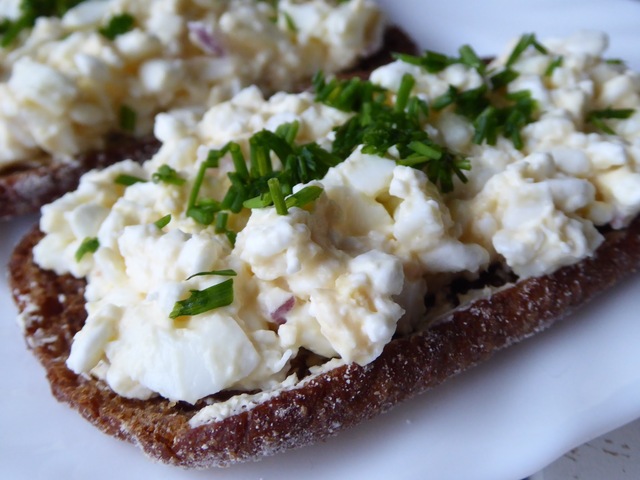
[25,187]
[52,310]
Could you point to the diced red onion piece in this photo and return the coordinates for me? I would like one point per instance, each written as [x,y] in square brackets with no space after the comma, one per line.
[201,34]
[278,316]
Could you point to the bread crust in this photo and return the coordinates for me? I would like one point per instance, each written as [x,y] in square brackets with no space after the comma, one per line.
[52,310]
[24,189]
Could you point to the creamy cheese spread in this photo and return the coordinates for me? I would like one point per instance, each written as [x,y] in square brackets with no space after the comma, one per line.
[63,84]
[340,276]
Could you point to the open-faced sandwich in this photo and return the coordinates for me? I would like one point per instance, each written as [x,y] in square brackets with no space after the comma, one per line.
[81,81]
[285,268]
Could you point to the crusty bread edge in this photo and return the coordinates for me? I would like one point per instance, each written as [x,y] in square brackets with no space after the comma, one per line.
[25,190]
[52,309]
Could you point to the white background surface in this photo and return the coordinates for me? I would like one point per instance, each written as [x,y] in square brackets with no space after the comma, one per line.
[614,456]
[501,421]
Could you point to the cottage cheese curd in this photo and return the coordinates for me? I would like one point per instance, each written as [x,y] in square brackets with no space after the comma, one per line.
[63,83]
[340,277]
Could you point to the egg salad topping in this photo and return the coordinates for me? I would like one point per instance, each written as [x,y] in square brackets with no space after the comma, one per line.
[73,71]
[307,227]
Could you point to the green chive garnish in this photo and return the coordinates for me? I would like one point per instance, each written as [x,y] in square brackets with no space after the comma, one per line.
[88,245]
[201,301]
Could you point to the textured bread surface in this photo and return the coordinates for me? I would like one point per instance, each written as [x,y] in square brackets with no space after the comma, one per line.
[25,188]
[52,310]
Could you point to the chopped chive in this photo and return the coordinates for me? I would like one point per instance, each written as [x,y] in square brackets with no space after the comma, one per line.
[204,213]
[162,222]
[223,273]
[431,152]
[292,132]
[214,156]
[486,126]
[236,202]
[304,196]
[555,63]
[229,198]
[460,164]
[277,196]
[597,117]
[620,113]
[503,78]
[526,41]
[417,107]
[288,131]
[88,245]
[201,301]
[600,124]
[201,215]
[128,180]
[238,160]
[406,85]
[261,201]
[469,57]
[231,236]
[128,118]
[445,99]
[197,184]
[413,160]
[12,29]
[270,141]
[221,222]
[221,227]
[254,170]
[432,62]
[117,25]
[30,11]
[166,174]
[261,155]
[407,58]
[291,25]
[348,94]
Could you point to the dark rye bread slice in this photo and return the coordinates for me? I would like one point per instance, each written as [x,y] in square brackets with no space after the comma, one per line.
[26,187]
[53,310]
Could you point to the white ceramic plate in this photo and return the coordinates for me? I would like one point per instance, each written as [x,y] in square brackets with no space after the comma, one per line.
[503,420]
